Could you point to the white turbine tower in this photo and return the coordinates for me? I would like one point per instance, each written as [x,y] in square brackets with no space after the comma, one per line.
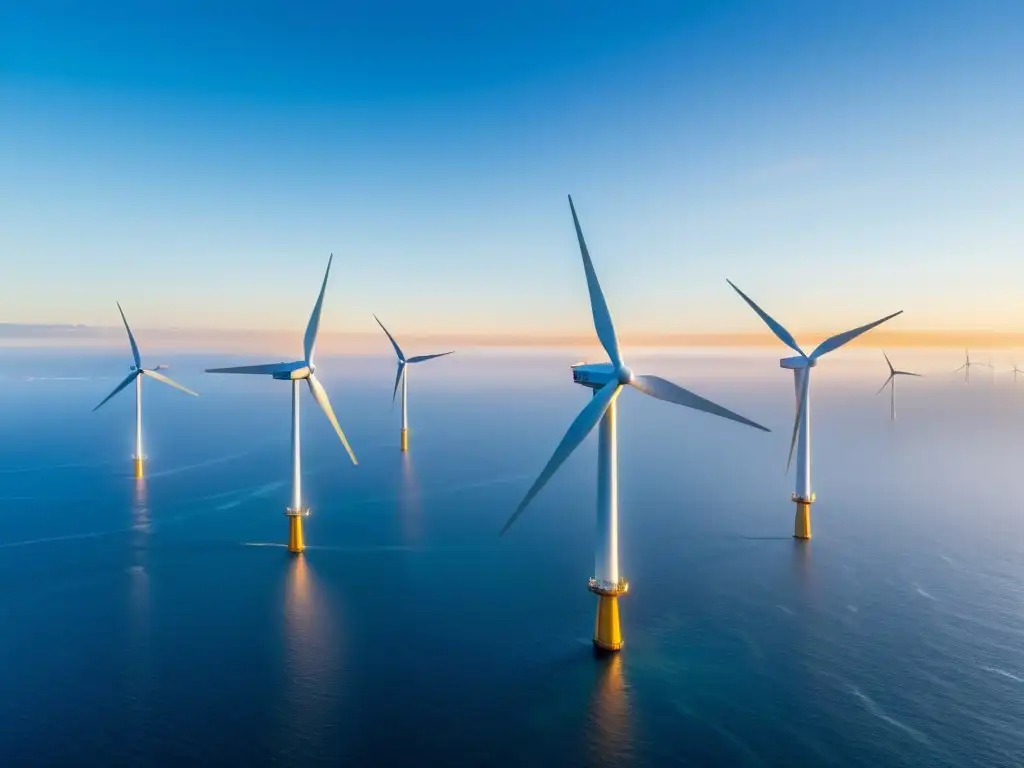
[137,372]
[607,380]
[893,373]
[966,367]
[801,367]
[296,372]
[402,375]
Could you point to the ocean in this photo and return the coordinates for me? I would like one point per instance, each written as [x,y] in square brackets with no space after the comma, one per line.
[163,621]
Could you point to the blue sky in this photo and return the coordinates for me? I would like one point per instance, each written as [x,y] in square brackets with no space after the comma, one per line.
[838,161]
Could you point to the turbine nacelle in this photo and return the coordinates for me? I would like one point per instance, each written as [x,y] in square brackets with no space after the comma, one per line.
[797,363]
[292,371]
[593,375]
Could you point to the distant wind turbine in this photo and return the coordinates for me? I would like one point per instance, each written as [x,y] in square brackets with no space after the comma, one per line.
[137,372]
[893,373]
[606,381]
[296,372]
[1016,370]
[966,367]
[402,375]
[801,367]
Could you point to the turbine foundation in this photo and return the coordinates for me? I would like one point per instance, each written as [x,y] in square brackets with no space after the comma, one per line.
[405,439]
[295,542]
[138,462]
[607,630]
[802,523]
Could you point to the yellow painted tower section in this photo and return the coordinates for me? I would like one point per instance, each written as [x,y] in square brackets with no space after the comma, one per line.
[802,523]
[138,468]
[295,543]
[607,630]
[405,439]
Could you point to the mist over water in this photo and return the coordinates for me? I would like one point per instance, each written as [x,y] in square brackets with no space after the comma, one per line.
[163,622]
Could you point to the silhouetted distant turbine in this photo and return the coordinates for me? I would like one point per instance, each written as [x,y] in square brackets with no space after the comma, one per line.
[966,367]
[893,373]
[1016,370]
[137,372]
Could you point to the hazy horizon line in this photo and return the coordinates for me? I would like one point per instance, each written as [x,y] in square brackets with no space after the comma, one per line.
[27,335]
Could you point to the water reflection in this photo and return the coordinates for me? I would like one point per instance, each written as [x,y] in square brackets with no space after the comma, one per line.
[609,714]
[802,563]
[140,651]
[410,502]
[310,664]
[140,547]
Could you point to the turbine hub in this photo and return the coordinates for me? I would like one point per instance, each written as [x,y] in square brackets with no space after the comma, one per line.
[624,375]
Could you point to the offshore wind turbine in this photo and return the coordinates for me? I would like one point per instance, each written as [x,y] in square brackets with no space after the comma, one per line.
[296,372]
[801,366]
[606,381]
[893,373]
[402,375]
[966,367]
[1016,370]
[137,372]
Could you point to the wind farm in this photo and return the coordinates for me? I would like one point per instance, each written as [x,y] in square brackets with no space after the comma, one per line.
[296,372]
[135,375]
[515,568]
[402,377]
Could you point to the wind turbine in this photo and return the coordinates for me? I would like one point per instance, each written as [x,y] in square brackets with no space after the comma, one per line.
[1016,370]
[966,367]
[296,372]
[137,372]
[402,375]
[801,366]
[893,373]
[607,380]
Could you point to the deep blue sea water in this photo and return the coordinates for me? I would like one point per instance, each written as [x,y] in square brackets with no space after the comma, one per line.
[163,622]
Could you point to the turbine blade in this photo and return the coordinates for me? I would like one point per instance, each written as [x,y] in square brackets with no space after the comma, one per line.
[805,380]
[267,369]
[960,368]
[128,380]
[398,350]
[886,384]
[891,369]
[320,395]
[908,373]
[781,333]
[313,328]
[598,306]
[578,430]
[169,382]
[131,338]
[422,358]
[833,343]
[662,389]
[398,379]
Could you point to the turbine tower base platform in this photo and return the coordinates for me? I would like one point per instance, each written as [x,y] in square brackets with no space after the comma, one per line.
[607,629]
[295,542]
[405,439]
[138,462]
[802,523]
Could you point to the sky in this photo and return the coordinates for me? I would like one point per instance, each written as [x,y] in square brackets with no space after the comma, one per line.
[199,161]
